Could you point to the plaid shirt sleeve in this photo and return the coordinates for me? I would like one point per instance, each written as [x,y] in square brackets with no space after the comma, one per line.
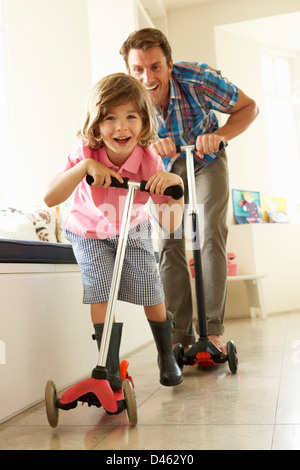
[220,94]
[196,91]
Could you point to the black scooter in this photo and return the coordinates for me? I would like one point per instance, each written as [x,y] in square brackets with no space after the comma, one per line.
[203,352]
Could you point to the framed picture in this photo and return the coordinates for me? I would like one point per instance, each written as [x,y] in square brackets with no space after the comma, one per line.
[246,207]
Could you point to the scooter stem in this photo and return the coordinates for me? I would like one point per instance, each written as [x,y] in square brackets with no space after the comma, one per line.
[196,242]
[132,186]
[191,178]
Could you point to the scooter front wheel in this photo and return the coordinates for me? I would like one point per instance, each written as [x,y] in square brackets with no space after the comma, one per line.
[129,397]
[51,404]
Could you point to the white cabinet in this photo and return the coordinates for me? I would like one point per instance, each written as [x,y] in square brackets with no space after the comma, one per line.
[273,250]
[46,332]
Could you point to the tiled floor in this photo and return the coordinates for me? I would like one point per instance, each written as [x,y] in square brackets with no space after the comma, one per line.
[258,408]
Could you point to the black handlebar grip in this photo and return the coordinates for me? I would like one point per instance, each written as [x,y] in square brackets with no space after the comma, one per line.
[176,191]
[221,146]
[89,179]
[114,182]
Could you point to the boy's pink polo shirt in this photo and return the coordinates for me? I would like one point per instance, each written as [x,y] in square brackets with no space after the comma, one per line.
[97,212]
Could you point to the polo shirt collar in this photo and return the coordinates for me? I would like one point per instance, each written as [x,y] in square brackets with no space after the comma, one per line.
[132,163]
[134,160]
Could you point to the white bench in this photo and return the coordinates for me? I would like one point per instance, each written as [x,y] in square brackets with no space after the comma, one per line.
[271,249]
[254,288]
[253,283]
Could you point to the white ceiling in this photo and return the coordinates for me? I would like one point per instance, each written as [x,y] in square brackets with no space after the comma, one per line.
[158,7]
[282,30]
[183,3]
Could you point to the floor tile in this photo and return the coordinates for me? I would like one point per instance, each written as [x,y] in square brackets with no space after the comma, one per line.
[188,437]
[286,437]
[256,409]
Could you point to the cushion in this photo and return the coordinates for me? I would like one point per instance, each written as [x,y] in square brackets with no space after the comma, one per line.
[25,251]
[39,223]
[278,217]
[62,212]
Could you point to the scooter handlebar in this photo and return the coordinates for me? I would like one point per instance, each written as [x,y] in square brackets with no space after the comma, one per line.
[176,192]
[179,148]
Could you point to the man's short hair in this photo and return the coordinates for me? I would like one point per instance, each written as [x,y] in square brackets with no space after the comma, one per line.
[144,39]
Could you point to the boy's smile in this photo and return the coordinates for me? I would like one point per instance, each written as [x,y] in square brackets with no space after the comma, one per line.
[120,130]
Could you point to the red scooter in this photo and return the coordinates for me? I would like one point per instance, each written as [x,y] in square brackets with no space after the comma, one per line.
[96,390]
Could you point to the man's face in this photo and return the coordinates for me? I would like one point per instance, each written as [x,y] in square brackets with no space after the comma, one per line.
[151,69]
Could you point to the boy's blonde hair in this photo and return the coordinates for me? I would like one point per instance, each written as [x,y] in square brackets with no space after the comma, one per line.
[113,90]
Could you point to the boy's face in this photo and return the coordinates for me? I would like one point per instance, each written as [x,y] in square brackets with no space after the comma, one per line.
[150,67]
[120,130]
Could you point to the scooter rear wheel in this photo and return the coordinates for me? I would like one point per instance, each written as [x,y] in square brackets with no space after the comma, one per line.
[51,404]
[129,397]
[232,357]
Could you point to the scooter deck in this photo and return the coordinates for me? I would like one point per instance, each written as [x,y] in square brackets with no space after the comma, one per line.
[91,399]
[204,353]
[96,392]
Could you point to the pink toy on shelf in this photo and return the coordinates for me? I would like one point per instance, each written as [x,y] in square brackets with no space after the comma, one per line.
[191,265]
[231,267]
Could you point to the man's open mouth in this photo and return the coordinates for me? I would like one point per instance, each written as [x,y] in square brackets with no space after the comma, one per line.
[151,88]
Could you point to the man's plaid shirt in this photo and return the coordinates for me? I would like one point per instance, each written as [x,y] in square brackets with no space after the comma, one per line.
[196,90]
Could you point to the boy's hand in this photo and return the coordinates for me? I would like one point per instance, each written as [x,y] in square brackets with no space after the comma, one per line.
[161,180]
[101,174]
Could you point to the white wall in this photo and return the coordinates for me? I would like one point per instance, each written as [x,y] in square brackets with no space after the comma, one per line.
[195,34]
[191,28]
[248,157]
[57,49]
[49,78]
[107,31]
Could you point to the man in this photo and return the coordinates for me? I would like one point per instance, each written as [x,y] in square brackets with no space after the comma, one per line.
[185,96]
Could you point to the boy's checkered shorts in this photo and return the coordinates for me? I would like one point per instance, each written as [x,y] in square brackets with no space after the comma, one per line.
[140,283]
